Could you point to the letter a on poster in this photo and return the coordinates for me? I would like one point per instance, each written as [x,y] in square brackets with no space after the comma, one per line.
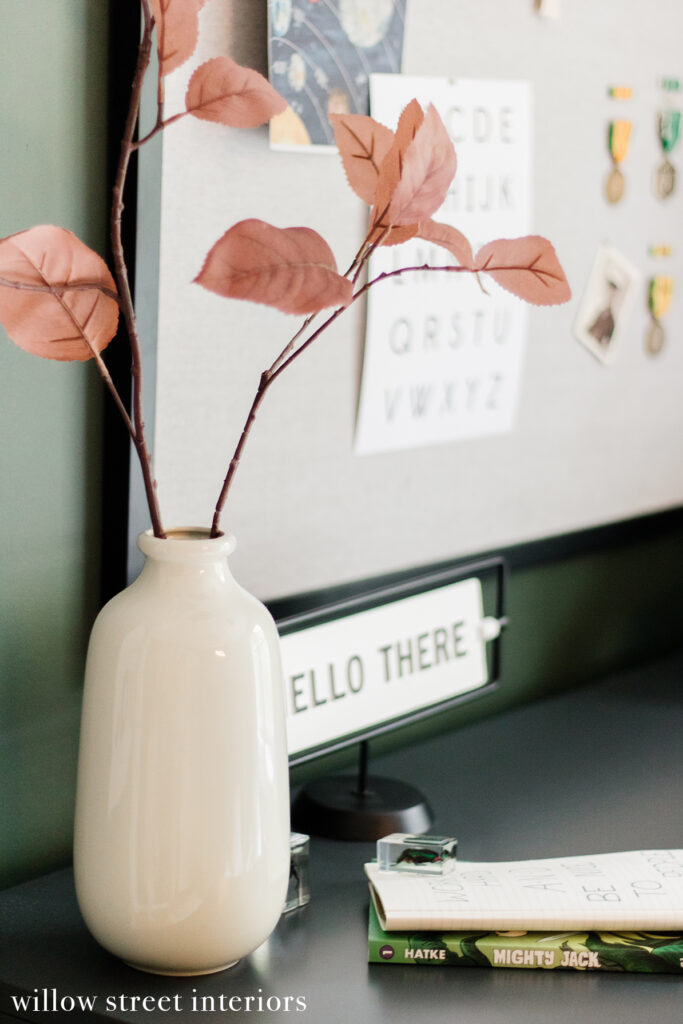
[443,359]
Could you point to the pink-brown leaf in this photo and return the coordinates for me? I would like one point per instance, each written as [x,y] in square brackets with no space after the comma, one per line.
[65,323]
[428,168]
[448,238]
[528,267]
[292,269]
[391,168]
[363,144]
[227,93]
[411,120]
[177,25]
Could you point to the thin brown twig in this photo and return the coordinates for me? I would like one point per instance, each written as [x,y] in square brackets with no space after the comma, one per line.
[118,401]
[158,128]
[357,295]
[358,260]
[291,343]
[269,376]
[121,270]
[285,356]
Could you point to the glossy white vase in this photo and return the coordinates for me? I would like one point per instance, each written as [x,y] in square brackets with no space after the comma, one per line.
[181,847]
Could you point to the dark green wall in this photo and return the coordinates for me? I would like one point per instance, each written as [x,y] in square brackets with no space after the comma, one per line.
[53,68]
[571,619]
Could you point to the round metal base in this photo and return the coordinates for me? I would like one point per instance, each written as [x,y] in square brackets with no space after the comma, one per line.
[335,809]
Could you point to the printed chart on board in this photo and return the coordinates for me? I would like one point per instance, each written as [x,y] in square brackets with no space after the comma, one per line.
[443,358]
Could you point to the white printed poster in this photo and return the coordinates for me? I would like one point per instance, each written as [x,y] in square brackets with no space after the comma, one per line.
[443,357]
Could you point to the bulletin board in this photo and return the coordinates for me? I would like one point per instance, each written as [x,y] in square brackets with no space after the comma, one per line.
[591,441]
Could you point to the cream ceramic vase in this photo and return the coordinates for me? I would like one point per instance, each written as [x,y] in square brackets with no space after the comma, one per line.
[181,847]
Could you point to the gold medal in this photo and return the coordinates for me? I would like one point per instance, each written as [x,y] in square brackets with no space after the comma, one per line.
[665,180]
[618,136]
[660,294]
[655,338]
[614,186]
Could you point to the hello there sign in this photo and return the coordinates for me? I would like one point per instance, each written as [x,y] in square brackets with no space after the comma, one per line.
[371,666]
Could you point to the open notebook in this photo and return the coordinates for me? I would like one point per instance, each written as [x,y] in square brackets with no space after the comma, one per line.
[616,891]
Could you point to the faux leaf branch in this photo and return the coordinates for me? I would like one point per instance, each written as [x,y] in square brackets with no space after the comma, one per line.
[58,299]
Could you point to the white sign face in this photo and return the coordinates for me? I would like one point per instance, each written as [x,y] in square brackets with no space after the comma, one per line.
[375,665]
[443,359]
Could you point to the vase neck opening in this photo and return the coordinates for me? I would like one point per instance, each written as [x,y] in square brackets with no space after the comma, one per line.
[186,545]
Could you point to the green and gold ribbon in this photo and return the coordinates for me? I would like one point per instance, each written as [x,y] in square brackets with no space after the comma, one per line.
[620,92]
[661,251]
[618,137]
[660,293]
[669,123]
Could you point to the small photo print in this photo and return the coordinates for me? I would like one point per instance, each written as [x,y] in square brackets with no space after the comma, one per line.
[604,307]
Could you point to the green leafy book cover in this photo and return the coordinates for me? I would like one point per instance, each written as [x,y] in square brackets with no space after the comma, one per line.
[646,952]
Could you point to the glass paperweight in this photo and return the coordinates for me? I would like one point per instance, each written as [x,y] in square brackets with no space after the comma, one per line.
[298,891]
[431,855]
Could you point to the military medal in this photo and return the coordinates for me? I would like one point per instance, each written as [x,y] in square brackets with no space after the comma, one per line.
[660,292]
[668,125]
[618,137]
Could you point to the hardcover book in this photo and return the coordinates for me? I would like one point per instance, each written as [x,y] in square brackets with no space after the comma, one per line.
[646,952]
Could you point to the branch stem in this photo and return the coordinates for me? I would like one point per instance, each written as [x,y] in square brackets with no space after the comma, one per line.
[287,357]
[121,270]
[158,127]
[358,261]
[106,377]
[267,377]
[264,383]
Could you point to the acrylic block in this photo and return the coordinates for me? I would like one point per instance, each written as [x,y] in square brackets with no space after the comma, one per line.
[298,890]
[433,855]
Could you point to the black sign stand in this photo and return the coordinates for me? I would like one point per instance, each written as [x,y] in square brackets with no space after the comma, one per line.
[359,806]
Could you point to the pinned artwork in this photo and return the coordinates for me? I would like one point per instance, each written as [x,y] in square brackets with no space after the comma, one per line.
[606,302]
[321,54]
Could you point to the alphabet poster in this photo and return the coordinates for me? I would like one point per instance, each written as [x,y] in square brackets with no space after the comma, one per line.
[443,357]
